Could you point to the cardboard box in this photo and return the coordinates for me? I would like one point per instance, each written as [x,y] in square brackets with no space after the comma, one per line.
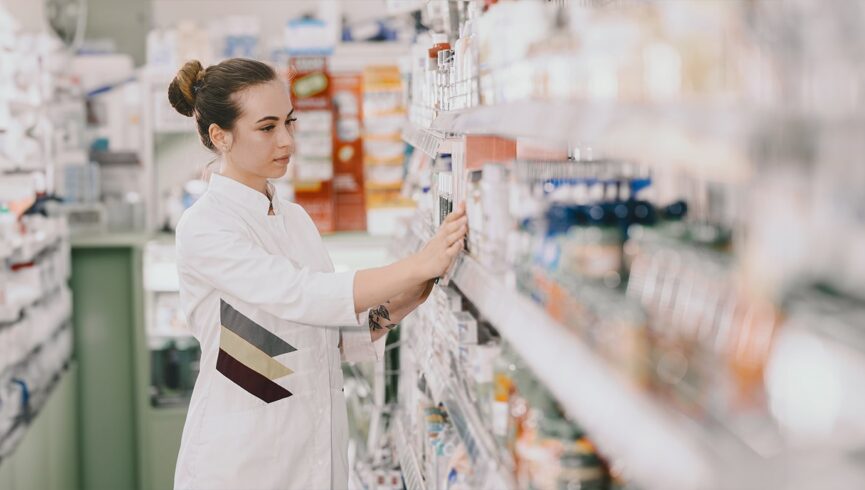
[318,201]
[310,83]
[347,90]
[311,93]
[481,149]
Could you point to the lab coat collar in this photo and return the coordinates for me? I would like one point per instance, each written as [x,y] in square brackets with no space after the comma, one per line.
[243,195]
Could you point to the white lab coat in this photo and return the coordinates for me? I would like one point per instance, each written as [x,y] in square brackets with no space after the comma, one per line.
[259,293]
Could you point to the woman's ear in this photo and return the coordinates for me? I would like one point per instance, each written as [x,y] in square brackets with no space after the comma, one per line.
[221,138]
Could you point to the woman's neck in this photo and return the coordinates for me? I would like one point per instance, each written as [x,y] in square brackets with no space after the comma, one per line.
[250,180]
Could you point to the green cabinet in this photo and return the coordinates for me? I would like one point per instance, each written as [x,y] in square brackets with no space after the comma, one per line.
[125,442]
[104,313]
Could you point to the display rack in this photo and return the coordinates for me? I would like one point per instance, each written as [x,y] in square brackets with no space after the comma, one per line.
[407,458]
[711,141]
[485,455]
[43,110]
[27,251]
[626,425]
[660,447]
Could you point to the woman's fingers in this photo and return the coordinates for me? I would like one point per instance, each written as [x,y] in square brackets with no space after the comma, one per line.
[455,225]
[455,248]
[456,214]
[457,235]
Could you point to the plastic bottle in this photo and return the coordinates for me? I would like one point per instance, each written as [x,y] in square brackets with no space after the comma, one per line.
[503,389]
[440,42]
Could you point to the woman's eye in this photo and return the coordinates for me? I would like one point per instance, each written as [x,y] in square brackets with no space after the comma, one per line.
[289,121]
[267,129]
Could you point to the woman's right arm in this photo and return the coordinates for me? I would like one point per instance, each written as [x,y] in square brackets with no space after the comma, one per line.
[374,287]
[232,263]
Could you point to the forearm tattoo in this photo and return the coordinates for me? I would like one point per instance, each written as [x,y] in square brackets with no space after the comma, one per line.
[379,318]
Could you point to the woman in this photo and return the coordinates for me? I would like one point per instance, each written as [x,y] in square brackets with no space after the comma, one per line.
[260,294]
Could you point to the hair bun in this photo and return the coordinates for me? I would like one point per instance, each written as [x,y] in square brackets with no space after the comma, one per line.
[184,87]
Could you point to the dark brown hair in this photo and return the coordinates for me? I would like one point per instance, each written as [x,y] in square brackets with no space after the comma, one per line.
[206,93]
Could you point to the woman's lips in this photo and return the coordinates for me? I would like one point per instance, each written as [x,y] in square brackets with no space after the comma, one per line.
[282,160]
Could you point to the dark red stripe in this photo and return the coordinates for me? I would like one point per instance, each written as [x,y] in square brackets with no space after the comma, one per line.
[249,379]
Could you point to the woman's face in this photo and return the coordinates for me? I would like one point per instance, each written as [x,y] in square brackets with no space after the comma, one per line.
[262,141]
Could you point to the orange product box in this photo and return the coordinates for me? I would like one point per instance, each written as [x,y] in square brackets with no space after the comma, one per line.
[310,83]
[318,200]
[348,152]
[481,149]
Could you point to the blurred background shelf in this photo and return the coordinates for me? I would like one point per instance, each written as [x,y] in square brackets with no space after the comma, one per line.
[408,459]
[625,423]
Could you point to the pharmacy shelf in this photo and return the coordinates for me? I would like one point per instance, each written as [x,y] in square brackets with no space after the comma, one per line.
[34,245]
[12,311]
[46,326]
[446,385]
[408,460]
[30,246]
[487,459]
[712,141]
[424,140]
[16,432]
[658,447]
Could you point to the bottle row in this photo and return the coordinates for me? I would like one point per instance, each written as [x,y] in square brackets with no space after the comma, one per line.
[33,272]
[37,323]
[514,51]
[475,415]
[649,270]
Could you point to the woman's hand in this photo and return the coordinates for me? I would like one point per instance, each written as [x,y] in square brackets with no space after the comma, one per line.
[373,287]
[437,255]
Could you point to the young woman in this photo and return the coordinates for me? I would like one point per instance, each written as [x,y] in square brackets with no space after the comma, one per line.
[260,294]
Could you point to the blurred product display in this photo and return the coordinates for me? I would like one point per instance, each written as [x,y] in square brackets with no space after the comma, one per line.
[661,286]
[40,138]
[649,188]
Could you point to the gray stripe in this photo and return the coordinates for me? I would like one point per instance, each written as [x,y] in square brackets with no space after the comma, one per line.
[252,332]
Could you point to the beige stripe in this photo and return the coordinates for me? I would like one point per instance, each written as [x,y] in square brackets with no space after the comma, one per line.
[251,356]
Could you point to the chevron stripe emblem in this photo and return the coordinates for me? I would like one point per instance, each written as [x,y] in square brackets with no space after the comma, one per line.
[246,355]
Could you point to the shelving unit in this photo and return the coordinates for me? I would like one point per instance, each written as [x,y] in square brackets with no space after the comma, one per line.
[482,449]
[42,122]
[407,458]
[25,251]
[705,140]
[660,447]
[626,424]
[711,134]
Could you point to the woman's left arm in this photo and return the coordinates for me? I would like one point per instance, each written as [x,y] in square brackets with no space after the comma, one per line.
[383,317]
[360,345]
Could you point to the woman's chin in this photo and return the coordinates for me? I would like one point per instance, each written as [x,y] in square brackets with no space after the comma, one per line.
[278,172]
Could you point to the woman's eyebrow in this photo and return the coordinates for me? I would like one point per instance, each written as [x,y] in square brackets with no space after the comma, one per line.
[273,118]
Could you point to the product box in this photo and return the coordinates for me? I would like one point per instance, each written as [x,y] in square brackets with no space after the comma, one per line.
[348,152]
[482,149]
[318,200]
[310,84]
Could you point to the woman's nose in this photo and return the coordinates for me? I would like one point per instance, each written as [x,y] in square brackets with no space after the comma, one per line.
[285,139]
